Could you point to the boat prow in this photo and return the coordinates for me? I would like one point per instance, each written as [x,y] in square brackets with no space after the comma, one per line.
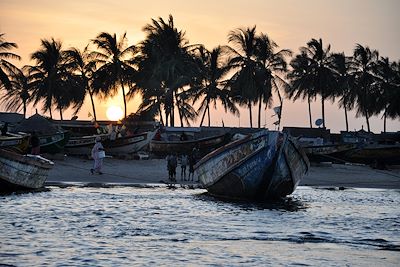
[22,172]
[263,165]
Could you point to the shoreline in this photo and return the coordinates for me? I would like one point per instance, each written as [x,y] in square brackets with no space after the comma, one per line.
[74,171]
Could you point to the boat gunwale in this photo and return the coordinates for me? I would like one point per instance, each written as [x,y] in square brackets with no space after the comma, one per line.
[229,146]
[186,142]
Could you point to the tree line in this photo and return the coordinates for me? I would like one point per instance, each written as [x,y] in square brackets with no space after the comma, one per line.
[172,75]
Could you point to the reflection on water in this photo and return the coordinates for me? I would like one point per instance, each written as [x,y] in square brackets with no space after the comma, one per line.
[158,226]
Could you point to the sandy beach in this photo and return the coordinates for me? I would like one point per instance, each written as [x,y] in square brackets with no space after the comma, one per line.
[72,170]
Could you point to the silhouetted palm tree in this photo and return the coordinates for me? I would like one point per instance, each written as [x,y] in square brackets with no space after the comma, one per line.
[363,67]
[323,81]
[210,84]
[82,68]
[17,97]
[275,65]
[51,81]
[301,79]
[385,73]
[167,63]
[7,68]
[115,61]
[344,81]
[393,107]
[247,77]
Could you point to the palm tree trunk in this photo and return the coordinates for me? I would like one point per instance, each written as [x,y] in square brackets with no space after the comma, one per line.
[123,96]
[93,108]
[61,115]
[347,120]
[280,116]
[323,111]
[280,111]
[259,113]
[309,111]
[204,113]
[172,111]
[384,121]
[367,119]
[209,118]
[24,109]
[251,115]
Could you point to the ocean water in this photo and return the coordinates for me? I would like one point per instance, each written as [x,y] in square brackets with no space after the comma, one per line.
[158,226]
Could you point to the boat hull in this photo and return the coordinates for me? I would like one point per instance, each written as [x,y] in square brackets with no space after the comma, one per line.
[22,171]
[120,146]
[53,143]
[128,144]
[204,145]
[82,145]
[262,166]
[387,154]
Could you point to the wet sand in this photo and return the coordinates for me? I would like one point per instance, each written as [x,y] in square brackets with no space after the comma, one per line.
[116,171]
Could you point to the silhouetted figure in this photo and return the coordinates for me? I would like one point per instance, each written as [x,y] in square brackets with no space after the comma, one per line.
[184,163]
[192,162]
[172,162]
[35,144]
[183,137]
[4,129]
[98,155]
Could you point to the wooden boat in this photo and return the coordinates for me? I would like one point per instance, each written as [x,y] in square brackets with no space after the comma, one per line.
[82,145]
[16,142]
[128,144]
[263,165]
[374,153]
[21,172]
[119,146]
[53,143]
[328,151]
[203,145]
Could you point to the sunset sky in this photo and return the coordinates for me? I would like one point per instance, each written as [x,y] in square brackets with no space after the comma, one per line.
[291,24]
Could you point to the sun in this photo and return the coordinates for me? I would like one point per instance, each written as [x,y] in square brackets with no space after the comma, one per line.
[114,113]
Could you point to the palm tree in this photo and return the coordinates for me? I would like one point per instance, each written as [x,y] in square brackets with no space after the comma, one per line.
[344,81]
[51,81]
[363,66]
[385,72]
[323,80]
[6,67]
[301,79]
[393,96]
[275,65]
[83,69]
[246,78]
[17,96]
[166,65]
[115,64]
[210,83]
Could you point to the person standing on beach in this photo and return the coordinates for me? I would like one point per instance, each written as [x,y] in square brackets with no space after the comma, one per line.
[4,129]
[184,163]
[192,162]
[97,155]
[35,144]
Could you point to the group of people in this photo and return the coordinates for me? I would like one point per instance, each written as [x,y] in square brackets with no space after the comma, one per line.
[185,161]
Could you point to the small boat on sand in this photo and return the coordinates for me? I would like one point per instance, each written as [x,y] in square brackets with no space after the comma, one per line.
[119,146]
[183,140]
[22,172]
[16,142]
[260,166]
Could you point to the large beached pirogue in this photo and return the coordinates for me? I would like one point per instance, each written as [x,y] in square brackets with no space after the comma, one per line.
[263,165]
[21,172]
